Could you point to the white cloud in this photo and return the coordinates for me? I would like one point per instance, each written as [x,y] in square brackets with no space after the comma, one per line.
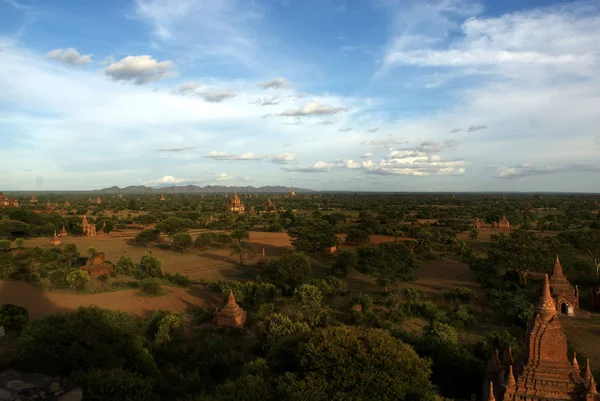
[313,108]
[167,179]
[373,130]
[217,96]
[366,156]
[474,128]
[284,158]
[222,177]
[344,129]
[277,83]
[351,164]
[69,56]
[318,167]
[139,69]
[325,123]
[226,156]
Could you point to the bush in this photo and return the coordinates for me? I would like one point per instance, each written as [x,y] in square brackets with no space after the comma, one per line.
[151,266]
[114,385]
[169,328]
[150,286]
[461,294]
[179,280]
[125,266]
[13,316]
[4,245]
[145,237]
[78,279]
[180,241]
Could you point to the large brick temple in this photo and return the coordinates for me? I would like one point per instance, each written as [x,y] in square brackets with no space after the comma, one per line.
[544,372]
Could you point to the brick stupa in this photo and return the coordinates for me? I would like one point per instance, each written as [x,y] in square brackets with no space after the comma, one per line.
[55,240]
[544,372]
[565,295]
[231,315]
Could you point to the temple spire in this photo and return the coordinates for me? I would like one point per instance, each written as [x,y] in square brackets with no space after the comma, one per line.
[575,364]
[231,298]
[508,357]
[546,307]
[510,379]
[491,393]
[558,271]
[588,371]
[591,388]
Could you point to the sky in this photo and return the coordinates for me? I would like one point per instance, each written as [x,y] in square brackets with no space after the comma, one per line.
[362,95]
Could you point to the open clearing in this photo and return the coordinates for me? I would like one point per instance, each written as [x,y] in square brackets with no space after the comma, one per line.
[40,302]
[211,265]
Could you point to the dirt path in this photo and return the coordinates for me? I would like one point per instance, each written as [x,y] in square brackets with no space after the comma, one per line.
[40,303]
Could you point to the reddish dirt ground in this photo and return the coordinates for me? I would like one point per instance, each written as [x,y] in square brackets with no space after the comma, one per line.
[40,303]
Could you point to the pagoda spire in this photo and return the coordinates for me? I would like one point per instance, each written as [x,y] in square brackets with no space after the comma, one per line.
[588,371]
[231,298]
[575,364]
[508,357]
[546,307]
[591,386]
[491,392]
[510,379]
[558,271]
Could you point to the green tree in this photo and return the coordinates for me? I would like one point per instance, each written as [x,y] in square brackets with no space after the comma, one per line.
[71,253]
[115,385]
[345,262]
[181,241]
[173,225]
[14,229]
[145,237]
[125,266]
[4,245]
[389,263]
[242,250]
[60,344]
[357,236]
[352,363]
[19,243]
[239,235]
[289,270]
[78,279]
[151,266]
[314,236]
[92,251]
[473,234]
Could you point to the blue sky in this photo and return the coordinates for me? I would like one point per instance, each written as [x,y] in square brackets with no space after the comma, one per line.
[395,95]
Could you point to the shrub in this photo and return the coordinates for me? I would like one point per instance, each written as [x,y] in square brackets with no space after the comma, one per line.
[180,241]
[179,280]
[330,285]
[150,286]
[145,237]
[114,385]
[13,316]
[78,279]
[461,294]
[125,266]
[4,245]
[169,327]
[151,266]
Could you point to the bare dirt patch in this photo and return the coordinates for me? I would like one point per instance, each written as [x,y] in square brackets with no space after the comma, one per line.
[40,302]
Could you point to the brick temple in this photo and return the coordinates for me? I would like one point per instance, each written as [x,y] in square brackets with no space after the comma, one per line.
[235,204]
[544,372]
[6,202]
[566,296]
[231,315]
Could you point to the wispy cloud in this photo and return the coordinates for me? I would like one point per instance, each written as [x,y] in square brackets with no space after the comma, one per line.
[18,5]
[373,130]
[277,83]
[530,170]
[188,87]
[176,149]
[225,156]
[313,109]
[217,96]
[344,129]
[474,128]
[223,177]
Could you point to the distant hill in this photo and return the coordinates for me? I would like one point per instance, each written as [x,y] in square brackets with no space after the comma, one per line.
[209,189]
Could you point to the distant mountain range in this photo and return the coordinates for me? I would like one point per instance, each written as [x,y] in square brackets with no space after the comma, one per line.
[209,189]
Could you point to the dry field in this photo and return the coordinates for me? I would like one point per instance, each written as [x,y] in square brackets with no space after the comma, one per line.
[433,277]
[40,302]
